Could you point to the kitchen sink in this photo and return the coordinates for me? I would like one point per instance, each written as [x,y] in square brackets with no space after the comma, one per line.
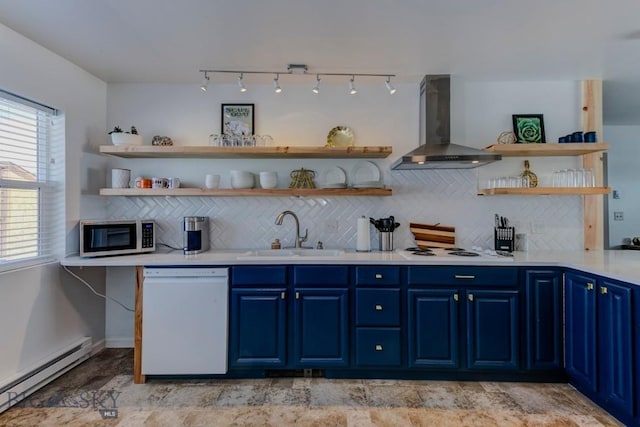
[292,253]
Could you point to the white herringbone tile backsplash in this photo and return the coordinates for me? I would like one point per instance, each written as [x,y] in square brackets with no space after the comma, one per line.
[447,197]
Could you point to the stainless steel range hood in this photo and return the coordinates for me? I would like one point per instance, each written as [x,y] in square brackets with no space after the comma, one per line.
[435,150]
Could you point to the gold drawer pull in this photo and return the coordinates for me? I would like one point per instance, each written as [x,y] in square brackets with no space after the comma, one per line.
[463,276]
[455,297]
[378,347]
[378,307]
[589,286]
[603,290]
[283,295]
[378,276]
[470,297]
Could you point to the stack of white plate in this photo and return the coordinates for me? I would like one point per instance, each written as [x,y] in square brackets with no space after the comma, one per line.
[334,178]
[366,174]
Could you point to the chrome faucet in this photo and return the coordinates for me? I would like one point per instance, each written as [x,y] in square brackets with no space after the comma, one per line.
[299,240]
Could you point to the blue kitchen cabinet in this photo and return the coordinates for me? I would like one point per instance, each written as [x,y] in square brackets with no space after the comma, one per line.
[580,330]
[599,341]
[615,343]
[378,313]
[492,329]
[257,328]
[433,328]
[320,316]
[321,327]
[464,310]
[543,319]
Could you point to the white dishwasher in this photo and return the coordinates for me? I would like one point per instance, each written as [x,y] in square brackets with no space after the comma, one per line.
[184,320]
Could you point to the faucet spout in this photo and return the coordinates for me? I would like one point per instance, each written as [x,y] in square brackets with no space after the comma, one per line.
[299,240]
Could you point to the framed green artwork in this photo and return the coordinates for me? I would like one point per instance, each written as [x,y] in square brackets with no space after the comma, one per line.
[529,128]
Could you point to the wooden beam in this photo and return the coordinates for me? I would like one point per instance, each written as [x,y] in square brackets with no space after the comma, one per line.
[593,206]
[138,378]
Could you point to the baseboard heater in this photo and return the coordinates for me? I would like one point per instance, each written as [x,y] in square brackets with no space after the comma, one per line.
[24,383]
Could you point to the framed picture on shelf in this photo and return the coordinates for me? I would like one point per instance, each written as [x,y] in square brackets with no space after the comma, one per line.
[237,119]
[529,128]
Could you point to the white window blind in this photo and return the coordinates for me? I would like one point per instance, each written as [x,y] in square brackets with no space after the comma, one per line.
[30,195]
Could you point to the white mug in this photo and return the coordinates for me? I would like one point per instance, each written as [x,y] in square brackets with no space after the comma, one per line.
[268,179]
[159,182]
[173,182]
[120,178]
[212,181]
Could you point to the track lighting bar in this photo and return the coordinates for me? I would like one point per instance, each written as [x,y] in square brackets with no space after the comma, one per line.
[296,69]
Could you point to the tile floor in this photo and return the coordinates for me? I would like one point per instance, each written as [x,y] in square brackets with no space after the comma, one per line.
[104,382]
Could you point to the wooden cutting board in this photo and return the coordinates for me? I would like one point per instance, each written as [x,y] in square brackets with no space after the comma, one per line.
[439,236]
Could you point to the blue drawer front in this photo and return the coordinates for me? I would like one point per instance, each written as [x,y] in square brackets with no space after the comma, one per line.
[378,307]
[267,275]
[378,347]
[321,275]
[377,275]
[462,275]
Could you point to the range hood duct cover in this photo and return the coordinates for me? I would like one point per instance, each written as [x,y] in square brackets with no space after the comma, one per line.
[435,150]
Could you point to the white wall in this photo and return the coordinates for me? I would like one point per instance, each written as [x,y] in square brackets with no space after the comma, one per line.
[623,156]
[480,111]
[42,308]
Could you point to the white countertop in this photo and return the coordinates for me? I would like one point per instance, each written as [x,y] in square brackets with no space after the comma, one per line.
[616,264]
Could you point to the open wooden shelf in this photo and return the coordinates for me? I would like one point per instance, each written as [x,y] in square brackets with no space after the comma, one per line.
[542,150]
[209,152]
[538,191]
[249,192]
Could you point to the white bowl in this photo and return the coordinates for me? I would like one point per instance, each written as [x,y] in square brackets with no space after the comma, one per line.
[241,179]
[268,179]
[121,138]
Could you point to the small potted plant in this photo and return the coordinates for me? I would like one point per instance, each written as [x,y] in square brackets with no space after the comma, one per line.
[118,137]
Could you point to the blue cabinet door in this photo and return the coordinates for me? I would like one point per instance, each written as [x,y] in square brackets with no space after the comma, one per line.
[492,329]
[580,333]
[321,322]
[615,341]
[544,319]
[257,328]
[433,327]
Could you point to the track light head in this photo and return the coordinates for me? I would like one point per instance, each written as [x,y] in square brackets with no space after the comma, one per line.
[316,88]
[276,84]
[241,85]
[390,88]
[205,82]
[352,88]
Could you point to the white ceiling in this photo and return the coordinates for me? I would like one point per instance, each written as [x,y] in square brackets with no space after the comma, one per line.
[168,41]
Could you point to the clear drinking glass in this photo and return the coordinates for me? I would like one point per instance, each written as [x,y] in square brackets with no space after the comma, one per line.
[267,140]
[589,178]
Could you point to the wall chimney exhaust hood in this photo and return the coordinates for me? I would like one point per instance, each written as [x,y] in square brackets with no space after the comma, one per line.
[435,150]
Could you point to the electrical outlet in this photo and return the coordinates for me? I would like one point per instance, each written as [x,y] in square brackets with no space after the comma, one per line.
[616,194]
[618,216]
[331,226]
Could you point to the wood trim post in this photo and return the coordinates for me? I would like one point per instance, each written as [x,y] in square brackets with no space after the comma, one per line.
[138,378]
[593,206]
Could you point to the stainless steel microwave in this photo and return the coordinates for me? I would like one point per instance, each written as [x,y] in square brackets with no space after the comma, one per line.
[103,238]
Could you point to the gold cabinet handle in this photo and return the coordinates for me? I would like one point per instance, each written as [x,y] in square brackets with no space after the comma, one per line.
[378,307]
[464,276]
[378,347]
[297,295]
[283,295]
[470,297]
[603,290]
[589,286]
[455,297]
[378,276]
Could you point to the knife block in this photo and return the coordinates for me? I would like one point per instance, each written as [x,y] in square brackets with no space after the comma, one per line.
[504,238]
